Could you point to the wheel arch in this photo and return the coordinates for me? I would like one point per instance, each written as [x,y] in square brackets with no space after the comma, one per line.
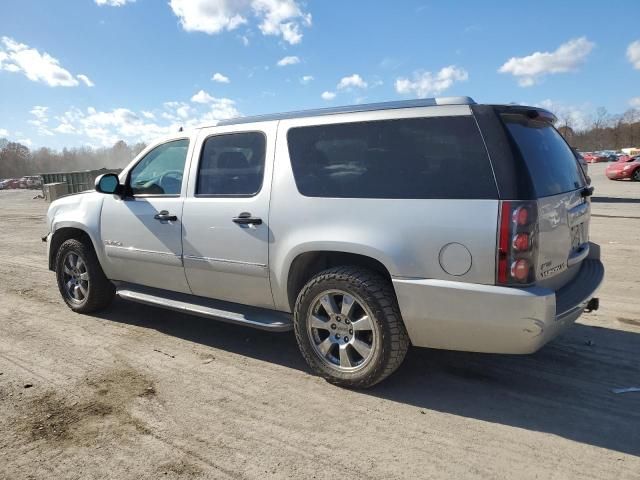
[63,234]
[307,264]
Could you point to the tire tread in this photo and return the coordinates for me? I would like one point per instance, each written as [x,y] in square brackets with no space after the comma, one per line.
[394,347]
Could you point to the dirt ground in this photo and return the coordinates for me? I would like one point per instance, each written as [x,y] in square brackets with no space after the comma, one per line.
[141,393]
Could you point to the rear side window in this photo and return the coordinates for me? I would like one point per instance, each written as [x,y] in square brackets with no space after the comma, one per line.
[553,167]
[232,164]
[441,157]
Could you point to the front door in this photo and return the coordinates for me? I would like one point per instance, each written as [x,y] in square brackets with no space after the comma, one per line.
[142,232]
[226,215]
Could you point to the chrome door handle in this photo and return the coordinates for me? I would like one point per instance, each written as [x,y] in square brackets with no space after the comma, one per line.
[165,216]
[245,218]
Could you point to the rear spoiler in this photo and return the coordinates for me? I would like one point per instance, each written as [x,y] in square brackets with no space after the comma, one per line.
[531,112]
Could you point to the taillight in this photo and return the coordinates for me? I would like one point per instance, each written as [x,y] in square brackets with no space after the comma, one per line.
[520,269]
[517,243]
[520,242]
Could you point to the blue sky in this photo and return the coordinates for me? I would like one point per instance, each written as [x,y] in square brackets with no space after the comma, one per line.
[88,72]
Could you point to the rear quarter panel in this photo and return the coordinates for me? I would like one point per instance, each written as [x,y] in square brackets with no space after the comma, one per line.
[406,236]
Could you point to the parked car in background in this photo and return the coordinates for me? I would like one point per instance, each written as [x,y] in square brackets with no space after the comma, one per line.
[594,157]
[583,164]
[625,168]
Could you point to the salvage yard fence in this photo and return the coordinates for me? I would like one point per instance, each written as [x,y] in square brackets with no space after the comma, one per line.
[79,181]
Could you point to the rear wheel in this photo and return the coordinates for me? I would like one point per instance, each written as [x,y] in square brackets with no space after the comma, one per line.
[348,327]
[636,175]
[81,281]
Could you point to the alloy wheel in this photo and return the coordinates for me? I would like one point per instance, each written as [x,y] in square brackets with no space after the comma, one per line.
[341,330]
[75,278]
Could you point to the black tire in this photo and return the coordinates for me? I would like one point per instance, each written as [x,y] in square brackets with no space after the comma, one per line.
[636,175]
[99,290]
[390,338]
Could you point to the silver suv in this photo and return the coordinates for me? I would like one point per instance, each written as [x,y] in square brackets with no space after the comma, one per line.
[439,223]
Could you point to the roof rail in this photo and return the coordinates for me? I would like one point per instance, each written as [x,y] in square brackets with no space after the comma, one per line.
[367,107]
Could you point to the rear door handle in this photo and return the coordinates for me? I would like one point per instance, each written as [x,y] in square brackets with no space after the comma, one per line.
[165,216]
[245,218]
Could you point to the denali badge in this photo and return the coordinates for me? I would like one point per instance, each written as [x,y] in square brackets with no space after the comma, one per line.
[112,243]
[550,271]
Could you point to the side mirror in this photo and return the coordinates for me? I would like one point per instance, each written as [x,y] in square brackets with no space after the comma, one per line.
[108,183]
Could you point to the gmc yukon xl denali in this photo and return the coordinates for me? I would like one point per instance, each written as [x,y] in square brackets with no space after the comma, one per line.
[438,223]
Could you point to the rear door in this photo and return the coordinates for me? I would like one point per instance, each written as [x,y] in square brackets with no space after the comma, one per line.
[226,231]
[558,183]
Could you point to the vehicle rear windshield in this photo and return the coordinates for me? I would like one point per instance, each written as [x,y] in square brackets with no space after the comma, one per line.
[553,167]
[441,157]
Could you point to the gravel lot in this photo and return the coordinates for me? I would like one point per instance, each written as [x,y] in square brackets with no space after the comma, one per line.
[138,392]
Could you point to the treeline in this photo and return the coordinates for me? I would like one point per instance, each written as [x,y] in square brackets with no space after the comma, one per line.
[605,132]
[17,160]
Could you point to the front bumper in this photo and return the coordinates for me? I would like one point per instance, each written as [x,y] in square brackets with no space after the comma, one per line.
[492,319]
[619,175]
[47,239]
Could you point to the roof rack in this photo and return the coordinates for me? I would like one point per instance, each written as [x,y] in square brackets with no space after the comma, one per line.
[367,107]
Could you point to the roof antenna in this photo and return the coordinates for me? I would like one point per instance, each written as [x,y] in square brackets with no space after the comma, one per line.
[180,129]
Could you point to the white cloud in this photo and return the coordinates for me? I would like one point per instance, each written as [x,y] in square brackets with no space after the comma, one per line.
[40,120]
[40,113]
[85,80]
[578,117]
[306,79]
[25,141]
[566,58]
[633,54]
[352,81]
[283,18]
[424,84]
[107,127]
[290,60]
[4,132]
[328,95]
[245,40]
[37,67]
[65,128]
[202,97]
[635,102]
[113,3]
[220,78]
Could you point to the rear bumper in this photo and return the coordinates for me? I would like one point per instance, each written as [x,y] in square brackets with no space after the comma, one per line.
[491,319]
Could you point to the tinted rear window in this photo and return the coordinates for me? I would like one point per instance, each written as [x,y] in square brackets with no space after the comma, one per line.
[553,167]
[441,157]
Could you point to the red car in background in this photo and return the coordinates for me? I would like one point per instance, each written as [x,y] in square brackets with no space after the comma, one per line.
[590,157]
[625,167]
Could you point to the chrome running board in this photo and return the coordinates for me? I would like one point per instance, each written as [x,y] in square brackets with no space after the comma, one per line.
[261,318]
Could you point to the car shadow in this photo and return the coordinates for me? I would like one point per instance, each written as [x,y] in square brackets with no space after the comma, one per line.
[564,389]
[614,200]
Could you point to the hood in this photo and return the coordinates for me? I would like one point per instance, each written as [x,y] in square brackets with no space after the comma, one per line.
[622,165]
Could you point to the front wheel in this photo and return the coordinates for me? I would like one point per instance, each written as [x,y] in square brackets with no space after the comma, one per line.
[81,281]
[348,327]
[636,175]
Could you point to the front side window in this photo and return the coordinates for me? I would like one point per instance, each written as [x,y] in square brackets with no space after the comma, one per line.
[160,171]
[232,164]
[439,157]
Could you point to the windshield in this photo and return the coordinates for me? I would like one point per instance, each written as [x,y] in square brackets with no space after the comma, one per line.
[553,166]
